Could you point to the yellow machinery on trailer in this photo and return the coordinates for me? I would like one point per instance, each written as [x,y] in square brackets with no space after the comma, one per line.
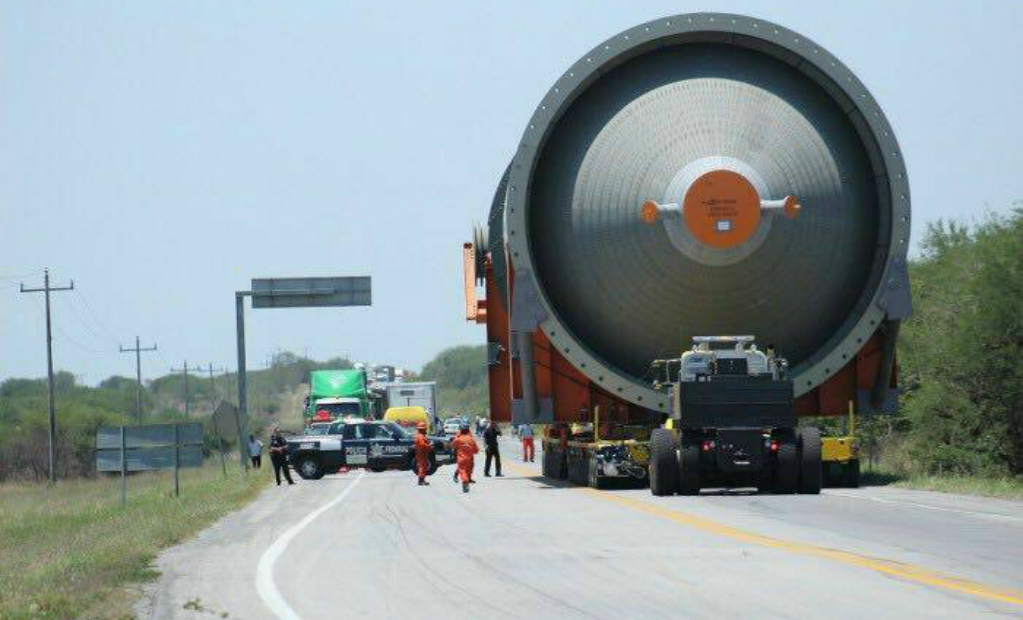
[840,456]
[593,458]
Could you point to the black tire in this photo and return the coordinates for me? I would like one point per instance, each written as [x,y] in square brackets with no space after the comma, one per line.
[576,469]
[811,472]
[786,475]
[663,467]
[560,465]
[545,464]
[308,468]
[595,481]
[689,475]
[851,474]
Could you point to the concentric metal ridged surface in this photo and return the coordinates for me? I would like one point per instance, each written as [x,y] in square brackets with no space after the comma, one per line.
[495,242]
[619,128]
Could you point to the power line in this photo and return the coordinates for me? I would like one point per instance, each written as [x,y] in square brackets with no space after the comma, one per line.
[15,276]
[163,359]
[99,337]
[95,316]
[66,337]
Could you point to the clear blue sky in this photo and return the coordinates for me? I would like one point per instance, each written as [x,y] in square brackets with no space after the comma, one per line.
[163,153]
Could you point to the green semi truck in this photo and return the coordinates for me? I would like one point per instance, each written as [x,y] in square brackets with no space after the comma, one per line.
[337,394]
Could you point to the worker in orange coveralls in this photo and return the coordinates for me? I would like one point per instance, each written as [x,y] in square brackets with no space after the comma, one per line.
[464,447]
[423,449]
[528,447]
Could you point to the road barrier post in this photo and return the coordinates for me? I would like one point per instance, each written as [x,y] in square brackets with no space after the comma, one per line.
[177,461]
[124,471]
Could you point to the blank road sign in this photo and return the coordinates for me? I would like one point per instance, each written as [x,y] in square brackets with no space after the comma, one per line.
[146,459]
[149,435]
[311,292]
[149,446]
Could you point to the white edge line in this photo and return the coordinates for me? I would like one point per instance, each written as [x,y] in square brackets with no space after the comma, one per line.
[265,586]
[987,515]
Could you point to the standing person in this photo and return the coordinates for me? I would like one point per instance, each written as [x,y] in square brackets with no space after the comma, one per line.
[492,450]
[256,451]
[279,456]
[528,448]
[423,450]
[463,427]
[465,449]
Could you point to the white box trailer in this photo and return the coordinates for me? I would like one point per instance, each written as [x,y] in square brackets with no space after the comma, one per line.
[417,394]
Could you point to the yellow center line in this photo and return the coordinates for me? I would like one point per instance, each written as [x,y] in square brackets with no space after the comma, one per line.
[902,570]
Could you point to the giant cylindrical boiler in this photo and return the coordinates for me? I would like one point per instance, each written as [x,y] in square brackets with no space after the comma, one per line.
[703,175]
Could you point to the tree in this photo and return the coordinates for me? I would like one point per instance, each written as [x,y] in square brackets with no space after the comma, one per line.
[962,351]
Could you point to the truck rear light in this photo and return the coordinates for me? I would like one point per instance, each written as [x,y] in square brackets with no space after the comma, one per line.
[774,445]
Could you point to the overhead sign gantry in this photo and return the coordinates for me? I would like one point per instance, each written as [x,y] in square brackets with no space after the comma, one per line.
[291,293]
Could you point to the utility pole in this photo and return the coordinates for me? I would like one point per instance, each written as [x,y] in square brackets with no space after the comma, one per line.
[213,410]
[47,289]
[184,370]
[138,375]
[213,382]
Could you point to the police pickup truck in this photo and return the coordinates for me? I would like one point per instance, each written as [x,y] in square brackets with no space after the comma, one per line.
[374,445]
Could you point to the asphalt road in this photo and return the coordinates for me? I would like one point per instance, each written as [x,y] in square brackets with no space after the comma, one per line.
[378,546]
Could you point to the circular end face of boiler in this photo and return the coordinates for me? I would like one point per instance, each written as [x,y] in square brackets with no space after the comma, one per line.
[706,175]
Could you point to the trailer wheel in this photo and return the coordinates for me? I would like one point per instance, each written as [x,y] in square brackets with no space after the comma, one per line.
[786,477]
[689,474]
[811,473]
[560,465]
[572,468]
[596,481]
[851,474]
[582,466]
[663,462]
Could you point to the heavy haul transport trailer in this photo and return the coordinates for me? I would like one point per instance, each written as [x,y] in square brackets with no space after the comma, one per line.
[697,176]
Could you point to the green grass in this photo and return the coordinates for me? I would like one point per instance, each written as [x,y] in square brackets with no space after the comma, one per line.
[1005,488]
[985,486]
[68,551]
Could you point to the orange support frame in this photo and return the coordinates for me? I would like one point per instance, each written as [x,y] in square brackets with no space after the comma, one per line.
[475,309]
[832,397]
[573,395]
